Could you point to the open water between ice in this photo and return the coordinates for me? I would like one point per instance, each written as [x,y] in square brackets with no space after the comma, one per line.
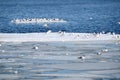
[60,61]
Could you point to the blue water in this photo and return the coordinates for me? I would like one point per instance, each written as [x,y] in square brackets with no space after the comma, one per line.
[77,13]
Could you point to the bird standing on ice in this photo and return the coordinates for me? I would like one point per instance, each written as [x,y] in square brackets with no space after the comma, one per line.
[49,31]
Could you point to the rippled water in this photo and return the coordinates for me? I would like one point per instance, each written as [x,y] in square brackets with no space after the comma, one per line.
[59,61]
[86,16]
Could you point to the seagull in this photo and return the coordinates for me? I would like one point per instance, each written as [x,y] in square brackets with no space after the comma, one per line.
[99,53]
[105,50]
[82,57]
[118,22]
[61,33]
[49,31]
[35,47]
[45,25]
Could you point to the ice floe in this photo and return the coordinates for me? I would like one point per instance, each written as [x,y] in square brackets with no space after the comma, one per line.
[56,36]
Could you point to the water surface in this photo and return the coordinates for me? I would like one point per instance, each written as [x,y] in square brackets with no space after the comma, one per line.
[59,61]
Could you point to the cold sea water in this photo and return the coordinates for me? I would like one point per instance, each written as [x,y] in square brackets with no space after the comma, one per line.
[84,16]
[82,60]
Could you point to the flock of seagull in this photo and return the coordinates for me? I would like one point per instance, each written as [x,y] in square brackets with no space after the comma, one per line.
[37,20]
[44,20]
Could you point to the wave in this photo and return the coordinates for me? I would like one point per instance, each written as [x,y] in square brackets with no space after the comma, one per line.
[56,36]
